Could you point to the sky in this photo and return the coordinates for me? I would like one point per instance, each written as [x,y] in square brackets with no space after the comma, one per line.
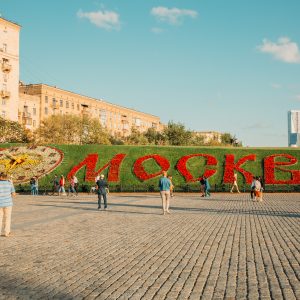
[212,65]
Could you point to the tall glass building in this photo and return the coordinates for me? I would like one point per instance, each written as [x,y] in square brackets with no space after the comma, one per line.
[294,128]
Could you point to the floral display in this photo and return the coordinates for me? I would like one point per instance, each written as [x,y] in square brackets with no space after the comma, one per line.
[271,165]
[231,167]
[182,167]
[22,163]
[139,170]
[90,163]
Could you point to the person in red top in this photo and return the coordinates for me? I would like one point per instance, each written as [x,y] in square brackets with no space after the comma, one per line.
[62,183]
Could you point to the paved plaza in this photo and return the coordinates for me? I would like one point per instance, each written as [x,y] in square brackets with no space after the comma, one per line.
[226,247]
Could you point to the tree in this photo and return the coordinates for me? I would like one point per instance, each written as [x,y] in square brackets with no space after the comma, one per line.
[136,138]
[13,132]
[71,129]
[177,135]
[229,139]
[155,137]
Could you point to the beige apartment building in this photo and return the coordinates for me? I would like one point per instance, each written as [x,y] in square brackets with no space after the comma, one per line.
[39,101]
[9,61]
[31,104]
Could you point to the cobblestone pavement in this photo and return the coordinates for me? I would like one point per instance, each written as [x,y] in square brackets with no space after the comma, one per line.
[225,247]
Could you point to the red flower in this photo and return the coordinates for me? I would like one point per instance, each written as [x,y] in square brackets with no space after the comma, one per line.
[230,167]
[90,163]
[270,165]
[140,171]
[182,168]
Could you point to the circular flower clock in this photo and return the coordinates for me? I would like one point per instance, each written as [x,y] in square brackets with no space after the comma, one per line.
[24,162]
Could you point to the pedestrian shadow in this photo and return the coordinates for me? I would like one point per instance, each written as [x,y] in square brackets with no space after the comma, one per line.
[230,211]
[96,210]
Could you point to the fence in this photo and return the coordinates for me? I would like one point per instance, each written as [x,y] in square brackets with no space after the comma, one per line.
[187,188]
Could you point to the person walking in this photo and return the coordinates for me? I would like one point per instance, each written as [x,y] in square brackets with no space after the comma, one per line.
[36,186]
[262,184]
[164,187]
[206,187]
[235,184]
[7,190]
[102,187]
[202,186]
[71,186]
[55,186]
[32,186]
[62,183]
[257,189]
[252,189]
[76,184]
[171,186]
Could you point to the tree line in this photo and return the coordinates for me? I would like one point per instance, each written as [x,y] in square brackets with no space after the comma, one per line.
[72,129]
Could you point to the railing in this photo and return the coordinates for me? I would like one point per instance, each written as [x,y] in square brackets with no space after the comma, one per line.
[187,188]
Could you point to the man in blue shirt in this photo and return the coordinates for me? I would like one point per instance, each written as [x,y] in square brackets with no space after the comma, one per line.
[7,190]
[164,187]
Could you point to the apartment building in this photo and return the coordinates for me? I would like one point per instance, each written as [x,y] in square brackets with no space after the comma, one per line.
[31,104]
[39,101]
[9,61]
[209,136]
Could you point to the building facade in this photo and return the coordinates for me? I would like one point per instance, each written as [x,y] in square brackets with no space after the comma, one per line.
[33,103]
[209,136]
[9,61]
[294,128]
[39,101]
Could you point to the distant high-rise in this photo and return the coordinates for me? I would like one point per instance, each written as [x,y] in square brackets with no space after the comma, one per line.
[294,128]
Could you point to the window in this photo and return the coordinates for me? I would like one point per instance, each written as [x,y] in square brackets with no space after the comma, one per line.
[34,111]
[3,102]
[61,103]
[72,105]
[53,101]
[67,104]
[103,117]
[4,47]
[46,99]
[3,114]
[33,123]
[137,122]
[5,77]
[78,107]
[46,110]
[4,86]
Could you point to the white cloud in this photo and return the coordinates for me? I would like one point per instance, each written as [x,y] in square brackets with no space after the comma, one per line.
[276,86]
[105,19]
[284,50]
[157,30]
[298,97]
[173,16]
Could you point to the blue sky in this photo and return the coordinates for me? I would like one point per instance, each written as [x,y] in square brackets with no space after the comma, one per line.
[229,66]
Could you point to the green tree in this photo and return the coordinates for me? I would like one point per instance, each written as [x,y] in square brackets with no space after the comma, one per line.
[154,137]
[136,138]
[71,129]
[13,132]
[177,135]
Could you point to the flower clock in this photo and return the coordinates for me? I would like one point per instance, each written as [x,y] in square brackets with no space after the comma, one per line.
[22,163]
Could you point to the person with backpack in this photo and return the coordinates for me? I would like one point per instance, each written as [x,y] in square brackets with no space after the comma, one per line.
[102,188]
